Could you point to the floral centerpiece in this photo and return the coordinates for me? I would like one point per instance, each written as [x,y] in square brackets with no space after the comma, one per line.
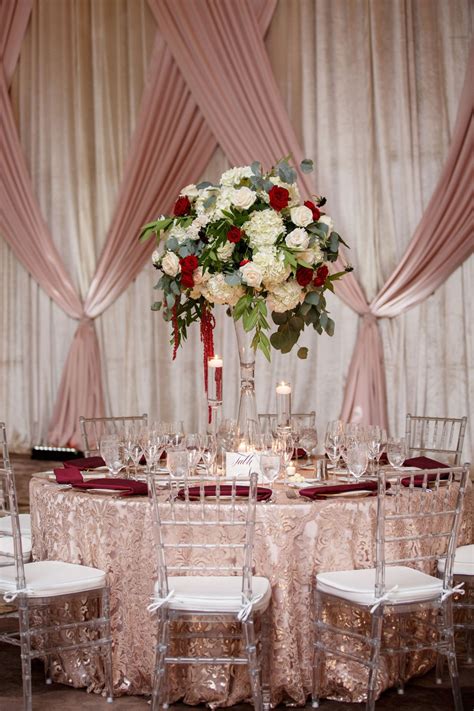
[250,243]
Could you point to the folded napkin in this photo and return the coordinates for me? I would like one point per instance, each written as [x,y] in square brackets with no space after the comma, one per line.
[321,492]
[127,487]
[298,453]
[84,463]
[263,494]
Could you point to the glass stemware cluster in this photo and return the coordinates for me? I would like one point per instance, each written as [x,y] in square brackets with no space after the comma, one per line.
[360,446]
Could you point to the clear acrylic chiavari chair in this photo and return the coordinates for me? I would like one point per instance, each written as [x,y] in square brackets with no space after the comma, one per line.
[42,595]
[441,437]
[204,533]
[418,519]
[93,428]
[25,519]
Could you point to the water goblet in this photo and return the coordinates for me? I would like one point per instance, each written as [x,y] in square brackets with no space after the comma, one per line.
[153,444]
[209,452]
[177,463]
[333,441]
[270,464]
[396,452]
[133,448]
[308,442]
[357,459]
[374,440]
[193,444]
[113,453]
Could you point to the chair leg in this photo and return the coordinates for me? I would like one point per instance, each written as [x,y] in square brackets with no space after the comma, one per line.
[25,650]
[254,671]
[265,656]
[375,643]
[107,652]
[402,654]
[159,695]
[317,650]
[451,654]
[439,668]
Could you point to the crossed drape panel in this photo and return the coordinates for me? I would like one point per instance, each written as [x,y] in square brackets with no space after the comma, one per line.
[157,167]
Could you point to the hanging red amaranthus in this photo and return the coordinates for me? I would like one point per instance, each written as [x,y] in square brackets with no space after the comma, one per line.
[175,329]
[208,323]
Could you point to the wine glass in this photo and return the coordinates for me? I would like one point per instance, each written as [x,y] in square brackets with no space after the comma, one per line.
[396,452]
[333,441]
[132,444]
[113,453]
[209,452]
[308,441]
[284,446]
[270,464]
[194,446]
[153,444]
[357,459]
[374,443]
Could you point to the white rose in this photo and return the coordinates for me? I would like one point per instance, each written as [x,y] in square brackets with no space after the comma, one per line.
[312,255]
[285,296]
[297,239]
[170,264]
[301,216]
[225,252]
[251,274]
[243,198]
[326,220]
[190,191]
[156,257]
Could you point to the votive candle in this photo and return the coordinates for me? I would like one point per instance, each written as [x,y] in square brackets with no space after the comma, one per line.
[283,398]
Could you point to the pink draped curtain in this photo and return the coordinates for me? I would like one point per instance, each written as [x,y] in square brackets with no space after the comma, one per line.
[214,95]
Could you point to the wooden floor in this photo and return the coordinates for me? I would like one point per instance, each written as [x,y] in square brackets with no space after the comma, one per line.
[421,693]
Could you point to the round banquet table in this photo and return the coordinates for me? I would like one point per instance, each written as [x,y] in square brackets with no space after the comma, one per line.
[294,539]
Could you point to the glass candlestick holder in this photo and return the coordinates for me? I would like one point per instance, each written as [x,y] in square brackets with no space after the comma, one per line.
[215,366]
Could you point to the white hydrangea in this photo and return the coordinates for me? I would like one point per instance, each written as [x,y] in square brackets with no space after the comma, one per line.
[272,266]
[199,204]
[170,264]
[225,252]
[156,257]
[243,198]
[223,202]
[218,291]
[196,225]
[178,232]
[297,238]
[235,175]
[285,296]
[263,228]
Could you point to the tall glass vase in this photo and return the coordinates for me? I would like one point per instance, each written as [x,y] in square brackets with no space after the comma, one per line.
[247,418]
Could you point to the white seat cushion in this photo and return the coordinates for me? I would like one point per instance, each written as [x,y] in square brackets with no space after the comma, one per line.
[463,561]
[47,578]
[25,524]
[359,585]
[7,551]
[215,594]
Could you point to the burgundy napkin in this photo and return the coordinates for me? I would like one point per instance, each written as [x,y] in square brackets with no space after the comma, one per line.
[126,487]
[424,463]
[320,492]
[263,494]
[73,476]
[298,453]
[84,463]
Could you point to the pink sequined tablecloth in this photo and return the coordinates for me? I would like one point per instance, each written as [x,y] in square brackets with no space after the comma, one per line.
[294,540]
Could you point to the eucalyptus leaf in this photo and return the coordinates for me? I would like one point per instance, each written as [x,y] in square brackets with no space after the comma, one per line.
[256,168]
[286,173]
[302,353]
[312,297]
[174,288]
[205,184]
[323,227]
[170,299]
[279,318]
[171,244]
[334,242]
[323,319]
[267,185]
[296,323]
[306,166]
[233,279]
[330,327]
[209,202]
[156,306]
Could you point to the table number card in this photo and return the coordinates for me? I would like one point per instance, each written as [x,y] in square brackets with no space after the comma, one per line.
[241,464]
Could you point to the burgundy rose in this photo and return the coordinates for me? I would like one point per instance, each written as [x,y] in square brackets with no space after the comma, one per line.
[322,272]
[189,264]
[279,197]
[182,207]
[304,276]
[187,280]
[234,234]
[314,210]
[319,281]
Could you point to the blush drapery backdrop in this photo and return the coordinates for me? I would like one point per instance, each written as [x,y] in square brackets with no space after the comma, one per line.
[105,121]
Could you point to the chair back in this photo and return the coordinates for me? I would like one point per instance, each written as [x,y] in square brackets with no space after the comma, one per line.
[11,552]
[93,428]
[4,445]
[418,519]
[199,534]
[441,436]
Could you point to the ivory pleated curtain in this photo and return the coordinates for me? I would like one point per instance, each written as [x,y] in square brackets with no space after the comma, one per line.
[377,166]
